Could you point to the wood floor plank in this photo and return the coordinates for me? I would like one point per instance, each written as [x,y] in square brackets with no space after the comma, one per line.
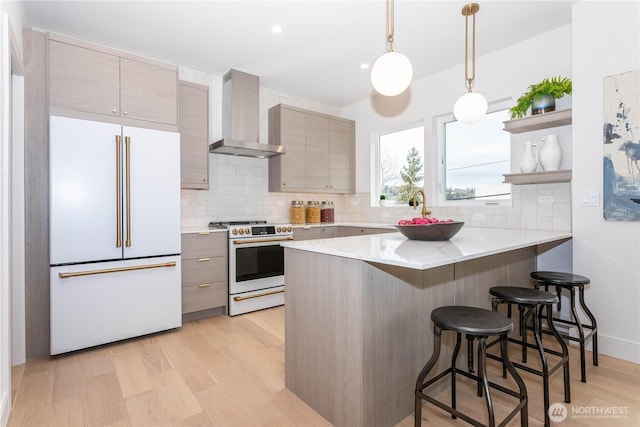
[229,372]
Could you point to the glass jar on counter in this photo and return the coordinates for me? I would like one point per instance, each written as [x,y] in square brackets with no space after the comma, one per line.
[296,212]
[313,212]
[327,211]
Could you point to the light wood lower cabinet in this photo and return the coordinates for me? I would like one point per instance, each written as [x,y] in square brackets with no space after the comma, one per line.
[325,232]
[204,271]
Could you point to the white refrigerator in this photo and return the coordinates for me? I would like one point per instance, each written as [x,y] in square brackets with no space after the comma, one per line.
[114,232]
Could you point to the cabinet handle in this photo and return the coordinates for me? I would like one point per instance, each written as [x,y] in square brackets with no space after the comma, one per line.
[204,259]
[204,285]
[115,111]
[115,270]
[203,233]
[125,113]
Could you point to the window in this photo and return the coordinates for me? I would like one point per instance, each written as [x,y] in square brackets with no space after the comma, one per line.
[474,158]
[400,165]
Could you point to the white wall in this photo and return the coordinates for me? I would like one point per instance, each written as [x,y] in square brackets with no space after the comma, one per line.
[606,41]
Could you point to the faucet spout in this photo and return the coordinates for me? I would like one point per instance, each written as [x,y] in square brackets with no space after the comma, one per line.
[425,212]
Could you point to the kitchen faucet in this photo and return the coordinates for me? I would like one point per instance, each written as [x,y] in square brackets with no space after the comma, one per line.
[425,212]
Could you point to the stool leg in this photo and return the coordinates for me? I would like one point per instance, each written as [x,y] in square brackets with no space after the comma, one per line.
[423,374]
[594,325]
[523,331]
[494,306]
[454,357]
[524,415]
[537,328]
[578,324]
[565,352]
[470,353]
[482,375]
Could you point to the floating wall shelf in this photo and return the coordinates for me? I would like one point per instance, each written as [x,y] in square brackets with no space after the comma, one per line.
[538,177]
[539,121]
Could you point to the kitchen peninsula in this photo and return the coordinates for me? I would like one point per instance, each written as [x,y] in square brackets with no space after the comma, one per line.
[357,311]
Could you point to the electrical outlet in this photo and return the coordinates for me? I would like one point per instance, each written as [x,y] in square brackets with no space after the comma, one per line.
[478,217]
[545,200]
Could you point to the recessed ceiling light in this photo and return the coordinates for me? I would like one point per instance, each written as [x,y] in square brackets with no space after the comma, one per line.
[276,29]
[364,66]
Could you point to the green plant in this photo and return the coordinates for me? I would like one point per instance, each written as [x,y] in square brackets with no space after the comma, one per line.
[556,87]
[383,197]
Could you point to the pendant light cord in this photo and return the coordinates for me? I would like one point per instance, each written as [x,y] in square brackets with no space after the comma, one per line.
[390,25]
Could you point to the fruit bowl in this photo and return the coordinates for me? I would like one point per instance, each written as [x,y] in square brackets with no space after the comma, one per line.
[437,231]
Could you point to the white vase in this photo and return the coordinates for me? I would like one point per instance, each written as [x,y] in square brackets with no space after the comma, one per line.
[550,155]
[529,161]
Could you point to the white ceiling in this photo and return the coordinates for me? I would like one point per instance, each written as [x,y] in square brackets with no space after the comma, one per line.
[319,53]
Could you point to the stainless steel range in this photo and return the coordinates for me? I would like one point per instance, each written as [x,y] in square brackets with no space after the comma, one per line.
[256,264]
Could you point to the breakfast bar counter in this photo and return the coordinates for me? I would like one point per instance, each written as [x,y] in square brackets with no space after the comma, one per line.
[357,311]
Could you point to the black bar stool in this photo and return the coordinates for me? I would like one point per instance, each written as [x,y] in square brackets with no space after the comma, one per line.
[480,324]
[570,282]
[535,303]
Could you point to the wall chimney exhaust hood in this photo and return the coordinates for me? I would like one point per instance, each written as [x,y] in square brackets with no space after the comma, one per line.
[241,119]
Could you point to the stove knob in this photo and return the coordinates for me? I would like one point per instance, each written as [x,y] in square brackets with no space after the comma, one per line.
[234,231]
[247,231]
[289,229]
[278,229]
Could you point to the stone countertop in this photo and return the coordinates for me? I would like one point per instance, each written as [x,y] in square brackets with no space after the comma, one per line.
[202,229]
[395,249]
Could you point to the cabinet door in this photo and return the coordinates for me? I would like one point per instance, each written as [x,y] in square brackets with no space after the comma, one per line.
[194,136]
[317,153]
[82,79]
[84,191]
[148,92]
[152,216]
[292,136]
[342,145]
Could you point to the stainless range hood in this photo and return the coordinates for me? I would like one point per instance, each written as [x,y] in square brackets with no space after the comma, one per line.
[241,119]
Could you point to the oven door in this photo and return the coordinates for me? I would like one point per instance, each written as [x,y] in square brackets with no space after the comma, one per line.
[255,263]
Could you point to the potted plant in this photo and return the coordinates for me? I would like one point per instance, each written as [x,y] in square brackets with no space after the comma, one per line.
[383,200]
[541,97]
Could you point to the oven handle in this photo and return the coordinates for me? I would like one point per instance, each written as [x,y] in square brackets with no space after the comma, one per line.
[237,299]
[250,241]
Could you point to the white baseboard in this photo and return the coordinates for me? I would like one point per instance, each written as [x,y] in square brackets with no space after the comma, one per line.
[5,409]
[619,348]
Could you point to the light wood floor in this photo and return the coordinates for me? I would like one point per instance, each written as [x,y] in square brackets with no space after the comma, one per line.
[226,371]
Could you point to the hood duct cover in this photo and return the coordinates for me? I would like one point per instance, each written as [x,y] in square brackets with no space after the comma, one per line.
[241,119]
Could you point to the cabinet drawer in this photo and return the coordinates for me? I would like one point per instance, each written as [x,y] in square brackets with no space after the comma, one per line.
[204,270]
[195,245]
[196,298]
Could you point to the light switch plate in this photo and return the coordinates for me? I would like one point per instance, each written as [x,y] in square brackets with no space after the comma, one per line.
[590,198]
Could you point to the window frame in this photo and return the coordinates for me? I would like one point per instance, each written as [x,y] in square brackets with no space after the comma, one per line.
[439,131]
[376,182]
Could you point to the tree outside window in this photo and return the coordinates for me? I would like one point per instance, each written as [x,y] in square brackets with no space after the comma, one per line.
[401,167]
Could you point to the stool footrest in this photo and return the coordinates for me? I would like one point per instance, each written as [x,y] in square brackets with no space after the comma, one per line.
[455,412]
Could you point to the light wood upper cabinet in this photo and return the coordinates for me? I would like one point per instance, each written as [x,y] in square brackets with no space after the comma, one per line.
[317,152]
[320,151]
[93,79]
[342,148]
[193,126]
[83,79]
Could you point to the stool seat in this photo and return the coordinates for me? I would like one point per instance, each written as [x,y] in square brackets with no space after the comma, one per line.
[560,279]
[518,295]
[471,320]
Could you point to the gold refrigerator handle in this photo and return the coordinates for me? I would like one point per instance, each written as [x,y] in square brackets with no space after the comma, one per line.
[118,192]
[127,143]
[115,270]
[258,295]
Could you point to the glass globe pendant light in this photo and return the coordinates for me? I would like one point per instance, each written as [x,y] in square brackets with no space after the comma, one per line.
[471,107]
[391,74]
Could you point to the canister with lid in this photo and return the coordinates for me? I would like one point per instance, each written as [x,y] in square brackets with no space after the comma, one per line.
[327,211]
[313,212]
[296,212]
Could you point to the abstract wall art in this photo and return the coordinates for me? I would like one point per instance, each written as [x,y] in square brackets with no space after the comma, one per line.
[621,137]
